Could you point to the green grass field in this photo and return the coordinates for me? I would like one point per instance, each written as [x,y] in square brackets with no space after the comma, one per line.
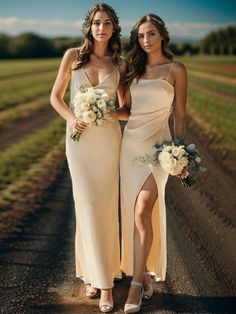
[25,87]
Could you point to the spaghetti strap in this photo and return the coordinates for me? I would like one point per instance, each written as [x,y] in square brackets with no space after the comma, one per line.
[170,70]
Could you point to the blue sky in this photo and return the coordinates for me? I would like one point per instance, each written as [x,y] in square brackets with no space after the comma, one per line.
[184,18]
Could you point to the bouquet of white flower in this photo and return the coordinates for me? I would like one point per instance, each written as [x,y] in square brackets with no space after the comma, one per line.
[174,158]
[91,105]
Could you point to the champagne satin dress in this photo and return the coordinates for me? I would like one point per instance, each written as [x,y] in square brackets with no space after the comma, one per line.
[94,168]
[152,101]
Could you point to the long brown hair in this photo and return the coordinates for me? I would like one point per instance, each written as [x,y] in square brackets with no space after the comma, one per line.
[137,57]
[114,44]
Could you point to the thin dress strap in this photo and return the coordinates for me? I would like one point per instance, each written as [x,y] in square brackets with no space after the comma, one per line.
[170,70]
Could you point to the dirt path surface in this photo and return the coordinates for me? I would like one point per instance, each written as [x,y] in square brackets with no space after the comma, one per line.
[37,261]
[24,126]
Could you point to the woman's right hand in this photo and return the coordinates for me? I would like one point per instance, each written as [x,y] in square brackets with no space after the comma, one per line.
[79,126]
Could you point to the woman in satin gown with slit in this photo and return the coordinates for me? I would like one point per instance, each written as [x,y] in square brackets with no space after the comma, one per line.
[94,160]
[157,87]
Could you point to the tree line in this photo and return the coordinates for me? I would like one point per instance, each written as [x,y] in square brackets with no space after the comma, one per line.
[30,45]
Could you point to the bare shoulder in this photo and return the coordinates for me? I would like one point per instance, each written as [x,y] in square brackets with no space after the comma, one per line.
[71,54]
[179,72]
[179,68]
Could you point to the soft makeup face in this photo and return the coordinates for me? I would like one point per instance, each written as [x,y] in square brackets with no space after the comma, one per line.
[149,37]
[101,27]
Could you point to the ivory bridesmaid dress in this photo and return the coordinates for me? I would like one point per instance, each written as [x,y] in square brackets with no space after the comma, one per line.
[147,125]
[94,168]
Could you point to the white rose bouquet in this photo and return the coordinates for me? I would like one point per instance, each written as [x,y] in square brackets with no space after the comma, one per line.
[91,105]
[174,158]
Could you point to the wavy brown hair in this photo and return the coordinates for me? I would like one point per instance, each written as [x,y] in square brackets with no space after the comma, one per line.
[137,57]
[114,44]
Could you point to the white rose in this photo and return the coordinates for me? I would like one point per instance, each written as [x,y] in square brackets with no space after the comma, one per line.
[167,149]
[84,106]
[105,97]
[99,91]
[101,104]
[169,166]
[91,98]
[89,116]
[99,121]
[164,156]
[183,161]
[80,117]
[175,151]
[91,90]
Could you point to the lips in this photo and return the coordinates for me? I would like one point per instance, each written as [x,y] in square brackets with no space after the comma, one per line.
[102,34]
[148,46]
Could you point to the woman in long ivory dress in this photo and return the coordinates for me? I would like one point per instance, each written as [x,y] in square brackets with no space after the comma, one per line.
[94,159]
[157,86]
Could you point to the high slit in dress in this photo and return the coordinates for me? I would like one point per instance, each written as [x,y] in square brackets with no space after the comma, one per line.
[152,101]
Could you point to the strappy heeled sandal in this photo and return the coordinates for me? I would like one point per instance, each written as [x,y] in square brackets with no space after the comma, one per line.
[148,288]
[106,306]
[134,308]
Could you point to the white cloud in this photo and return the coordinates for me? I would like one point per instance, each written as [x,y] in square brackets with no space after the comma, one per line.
[15,25]
[193,30]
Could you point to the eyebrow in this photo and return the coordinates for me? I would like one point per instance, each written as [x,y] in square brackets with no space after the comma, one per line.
[152,30]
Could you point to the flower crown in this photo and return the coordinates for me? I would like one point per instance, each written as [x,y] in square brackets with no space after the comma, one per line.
[86,22]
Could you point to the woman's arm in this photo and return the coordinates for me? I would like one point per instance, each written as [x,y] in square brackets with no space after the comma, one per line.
[59,89]
[60,85]
[123,112]
[181,82]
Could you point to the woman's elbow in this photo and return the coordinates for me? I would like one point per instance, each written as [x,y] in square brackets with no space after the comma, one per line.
[54,99]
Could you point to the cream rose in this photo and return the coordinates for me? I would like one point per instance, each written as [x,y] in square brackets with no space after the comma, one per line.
[89,116]
[84,106]
[101,104]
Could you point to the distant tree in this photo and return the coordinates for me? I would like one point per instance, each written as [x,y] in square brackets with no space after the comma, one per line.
[29,45]
[4,45]
[61,44]
[222,41]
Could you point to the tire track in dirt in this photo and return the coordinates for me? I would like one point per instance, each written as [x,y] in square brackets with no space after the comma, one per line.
[15,131]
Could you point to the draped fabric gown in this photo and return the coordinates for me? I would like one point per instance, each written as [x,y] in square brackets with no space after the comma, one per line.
[94,168]
[147,125]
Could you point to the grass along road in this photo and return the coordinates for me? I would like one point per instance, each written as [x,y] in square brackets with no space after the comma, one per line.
[10,69]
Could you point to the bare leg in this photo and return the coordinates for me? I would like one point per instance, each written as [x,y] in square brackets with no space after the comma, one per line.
[143,234]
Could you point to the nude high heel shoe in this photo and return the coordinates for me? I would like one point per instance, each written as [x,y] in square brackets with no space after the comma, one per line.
[148,292]
[134,308]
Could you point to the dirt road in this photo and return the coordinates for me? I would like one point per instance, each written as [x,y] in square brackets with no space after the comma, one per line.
[37,261]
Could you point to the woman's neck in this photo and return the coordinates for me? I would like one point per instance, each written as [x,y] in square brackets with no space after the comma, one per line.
[100,49]
[155,59]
